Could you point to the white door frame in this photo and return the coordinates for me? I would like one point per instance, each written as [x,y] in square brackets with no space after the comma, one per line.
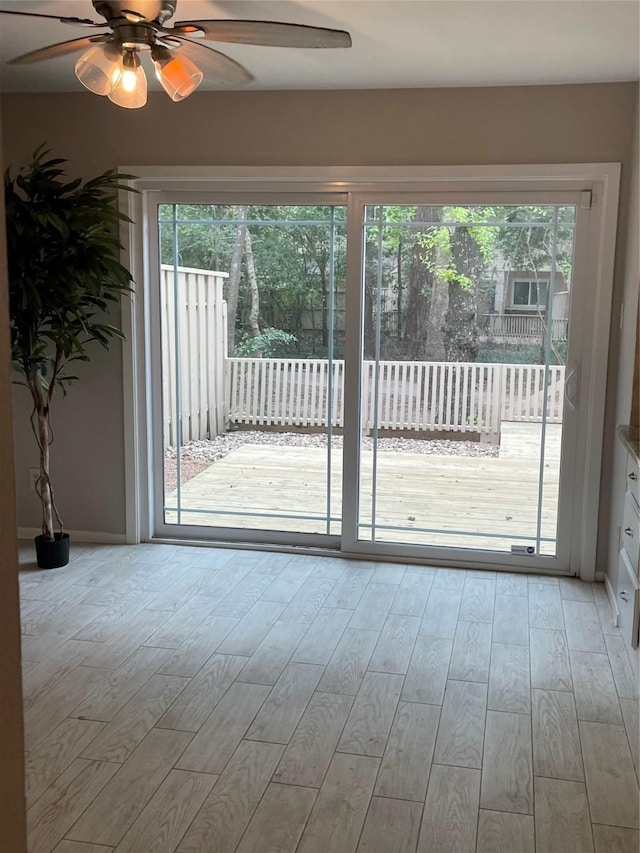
[567,559]
[163,530]
[599,184]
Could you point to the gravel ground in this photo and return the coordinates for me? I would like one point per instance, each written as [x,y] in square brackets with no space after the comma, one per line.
[196,456]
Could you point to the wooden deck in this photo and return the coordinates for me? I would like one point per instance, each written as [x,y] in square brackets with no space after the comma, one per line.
[469,502]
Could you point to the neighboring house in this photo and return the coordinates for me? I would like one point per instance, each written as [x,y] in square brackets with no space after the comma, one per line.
[518,311]
[511,306]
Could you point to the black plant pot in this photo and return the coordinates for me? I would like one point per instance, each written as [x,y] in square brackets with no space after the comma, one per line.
[52,555]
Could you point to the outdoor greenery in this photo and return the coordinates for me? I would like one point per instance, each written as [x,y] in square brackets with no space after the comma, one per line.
[64,274]
[270,343]
[289,259]
[522,354]
[431,272]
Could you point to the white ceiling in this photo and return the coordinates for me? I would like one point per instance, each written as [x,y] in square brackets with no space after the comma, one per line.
[396,43]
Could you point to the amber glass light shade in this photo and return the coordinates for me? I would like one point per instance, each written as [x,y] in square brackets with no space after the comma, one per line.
[178,76]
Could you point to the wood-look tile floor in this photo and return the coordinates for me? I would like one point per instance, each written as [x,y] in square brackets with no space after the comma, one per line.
[210,701]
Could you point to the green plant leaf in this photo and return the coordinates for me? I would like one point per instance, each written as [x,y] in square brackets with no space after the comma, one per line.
[63,258]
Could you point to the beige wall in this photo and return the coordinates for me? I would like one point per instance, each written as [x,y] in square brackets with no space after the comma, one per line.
[635,403]
[12,802]
[553,124]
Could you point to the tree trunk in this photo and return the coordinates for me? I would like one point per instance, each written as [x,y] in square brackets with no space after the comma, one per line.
[436,322]
[40,425]
[461,328]
[324,281]
[399,296]
[461,335]
[419,290]
[370,289]
[233,285]
[254,314]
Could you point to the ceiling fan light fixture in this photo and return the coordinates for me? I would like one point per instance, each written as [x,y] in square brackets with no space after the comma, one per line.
[130,88]
[178,76]
[111,65]
[99,68]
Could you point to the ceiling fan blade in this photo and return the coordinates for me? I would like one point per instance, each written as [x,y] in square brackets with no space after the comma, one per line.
[212,62]
[84,22]
[53,51]
[269,33]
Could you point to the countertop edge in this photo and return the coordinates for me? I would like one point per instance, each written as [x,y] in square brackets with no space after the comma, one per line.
[630,437]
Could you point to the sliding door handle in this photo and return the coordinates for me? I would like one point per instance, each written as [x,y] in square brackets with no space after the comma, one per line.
[571,387]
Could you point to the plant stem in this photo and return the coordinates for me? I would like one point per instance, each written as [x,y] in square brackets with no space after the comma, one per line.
[40,425]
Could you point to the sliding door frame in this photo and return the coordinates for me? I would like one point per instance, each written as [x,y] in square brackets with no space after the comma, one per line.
[161,528]
[567,518]
[598,185]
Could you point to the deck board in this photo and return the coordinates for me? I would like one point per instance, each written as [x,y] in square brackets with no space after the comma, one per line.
[492,497]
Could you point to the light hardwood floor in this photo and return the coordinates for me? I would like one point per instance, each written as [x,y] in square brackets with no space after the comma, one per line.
[194,700]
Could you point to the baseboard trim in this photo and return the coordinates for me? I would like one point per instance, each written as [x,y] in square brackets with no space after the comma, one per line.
[99,538]
[612,601]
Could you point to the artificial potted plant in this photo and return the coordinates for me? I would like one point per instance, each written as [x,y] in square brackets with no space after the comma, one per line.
[63,252]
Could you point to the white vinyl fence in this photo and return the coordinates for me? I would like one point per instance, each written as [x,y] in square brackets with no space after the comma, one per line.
[204,391]
[421,396]
[192,315]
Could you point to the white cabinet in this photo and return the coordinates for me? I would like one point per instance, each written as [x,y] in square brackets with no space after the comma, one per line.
[630,531]
[633,477]
[627,592]
[628,600]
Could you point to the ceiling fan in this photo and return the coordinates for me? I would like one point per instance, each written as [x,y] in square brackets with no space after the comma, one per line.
[111,64]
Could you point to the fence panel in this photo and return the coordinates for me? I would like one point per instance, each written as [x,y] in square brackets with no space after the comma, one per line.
[524,392]
[207,391]
[192,319]
[416,396]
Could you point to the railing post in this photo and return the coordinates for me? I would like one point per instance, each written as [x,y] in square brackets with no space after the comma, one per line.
[496,414]
[224,405]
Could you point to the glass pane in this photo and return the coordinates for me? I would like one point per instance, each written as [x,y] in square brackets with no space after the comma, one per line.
[252,324]
[462,395]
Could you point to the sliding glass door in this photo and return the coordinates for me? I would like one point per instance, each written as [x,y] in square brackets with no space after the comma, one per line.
[386,374]
[466,316]
[250,302]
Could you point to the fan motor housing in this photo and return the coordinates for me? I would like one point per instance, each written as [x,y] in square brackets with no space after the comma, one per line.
[147,10]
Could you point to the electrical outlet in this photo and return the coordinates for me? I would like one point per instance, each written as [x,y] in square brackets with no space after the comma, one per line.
[34,473]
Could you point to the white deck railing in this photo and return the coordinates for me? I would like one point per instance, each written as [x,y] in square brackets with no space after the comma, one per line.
[521,327]
[417,396]
[205,391]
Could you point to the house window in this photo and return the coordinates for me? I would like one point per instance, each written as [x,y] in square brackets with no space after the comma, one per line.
[529,294]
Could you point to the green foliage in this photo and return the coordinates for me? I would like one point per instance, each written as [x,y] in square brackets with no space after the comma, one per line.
[529,249]
[422,249]
[524,354]
[64,273]
[394,217]
[64,269]
[558,352]
[270,343]
[440,242]
[292,252]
